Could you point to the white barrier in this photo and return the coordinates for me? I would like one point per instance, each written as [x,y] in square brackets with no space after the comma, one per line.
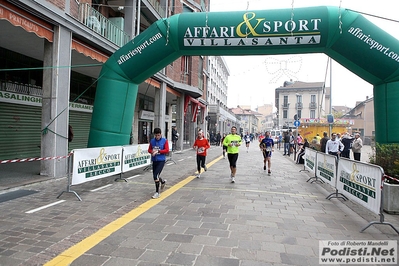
[326,167]
[360,182]
[310,160]
[94,163]
[135,156]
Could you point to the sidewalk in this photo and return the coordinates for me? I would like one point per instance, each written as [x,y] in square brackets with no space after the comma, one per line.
[259,220]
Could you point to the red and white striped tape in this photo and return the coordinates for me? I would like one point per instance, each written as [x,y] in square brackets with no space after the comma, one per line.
[35,159]
[390,177]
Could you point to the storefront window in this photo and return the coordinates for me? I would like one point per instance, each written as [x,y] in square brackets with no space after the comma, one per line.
[145,132]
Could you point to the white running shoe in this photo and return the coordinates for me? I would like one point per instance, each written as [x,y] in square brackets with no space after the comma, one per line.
[233,180]
[199,176]
[205,168]
[156,195]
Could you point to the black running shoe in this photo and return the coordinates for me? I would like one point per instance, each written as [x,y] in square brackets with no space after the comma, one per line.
[163,184]
[264,167]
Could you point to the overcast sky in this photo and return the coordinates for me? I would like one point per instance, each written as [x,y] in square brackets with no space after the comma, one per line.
[253,79]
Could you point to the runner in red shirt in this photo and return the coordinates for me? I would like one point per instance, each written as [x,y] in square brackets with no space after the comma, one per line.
[201,144]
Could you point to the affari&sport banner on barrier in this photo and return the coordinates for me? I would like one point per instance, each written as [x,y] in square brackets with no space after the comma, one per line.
[135,156]
[310,159]
[360,182]
[95,163]
[326,167]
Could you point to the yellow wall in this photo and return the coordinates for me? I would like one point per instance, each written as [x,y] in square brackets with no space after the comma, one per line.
[310,132]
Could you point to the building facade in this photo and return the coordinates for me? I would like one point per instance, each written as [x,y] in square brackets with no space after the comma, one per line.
[300,100]
[248,119]
[363,116]
[219,118]
[52,52]
[266,119]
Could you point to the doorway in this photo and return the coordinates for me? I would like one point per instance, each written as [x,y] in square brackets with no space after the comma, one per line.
[145,132]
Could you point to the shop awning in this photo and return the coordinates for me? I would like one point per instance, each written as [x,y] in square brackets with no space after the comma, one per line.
[28,22]
[88,51]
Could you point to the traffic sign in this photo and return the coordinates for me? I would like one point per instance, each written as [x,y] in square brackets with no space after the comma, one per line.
[297,123]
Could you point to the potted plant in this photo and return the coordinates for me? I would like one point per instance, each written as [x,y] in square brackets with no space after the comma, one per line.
[387,156]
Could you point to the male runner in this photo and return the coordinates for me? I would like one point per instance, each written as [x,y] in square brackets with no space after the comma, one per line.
[267,146]
[233,142]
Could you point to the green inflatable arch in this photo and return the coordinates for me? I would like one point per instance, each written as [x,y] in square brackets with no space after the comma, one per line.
[342,34]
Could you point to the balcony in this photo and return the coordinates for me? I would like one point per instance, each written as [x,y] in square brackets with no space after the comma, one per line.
[298,105]
[157,6]
[312,105]
[285,105]
[97,22]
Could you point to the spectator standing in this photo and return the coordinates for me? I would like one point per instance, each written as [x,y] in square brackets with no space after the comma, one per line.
[158,149]
[357,147]
[347,142]
[286,144]
[323,142]
[318,138]
[334,146]
[201,145]
[175,137]
[218,138]
[299,139]
[338,137]
[70,133]
[292,143]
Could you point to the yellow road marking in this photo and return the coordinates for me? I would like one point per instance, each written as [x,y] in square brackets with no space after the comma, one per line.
[74,252]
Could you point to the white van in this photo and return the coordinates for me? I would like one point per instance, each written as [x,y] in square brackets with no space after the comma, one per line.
[275,135]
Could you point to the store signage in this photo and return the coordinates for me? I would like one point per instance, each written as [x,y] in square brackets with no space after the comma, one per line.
[146,115]
[16,98]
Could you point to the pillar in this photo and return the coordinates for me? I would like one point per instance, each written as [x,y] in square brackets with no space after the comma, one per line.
[55,102]
[160,108]
[180,120]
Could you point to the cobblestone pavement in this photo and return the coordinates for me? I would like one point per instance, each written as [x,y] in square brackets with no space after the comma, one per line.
[259,220]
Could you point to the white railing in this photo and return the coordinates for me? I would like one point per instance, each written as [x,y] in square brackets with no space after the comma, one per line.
[157,6]
[21,88]
[97,22]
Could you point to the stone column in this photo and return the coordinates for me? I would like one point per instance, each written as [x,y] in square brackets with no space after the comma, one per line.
[180,120]
[55,107]
[160,108]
